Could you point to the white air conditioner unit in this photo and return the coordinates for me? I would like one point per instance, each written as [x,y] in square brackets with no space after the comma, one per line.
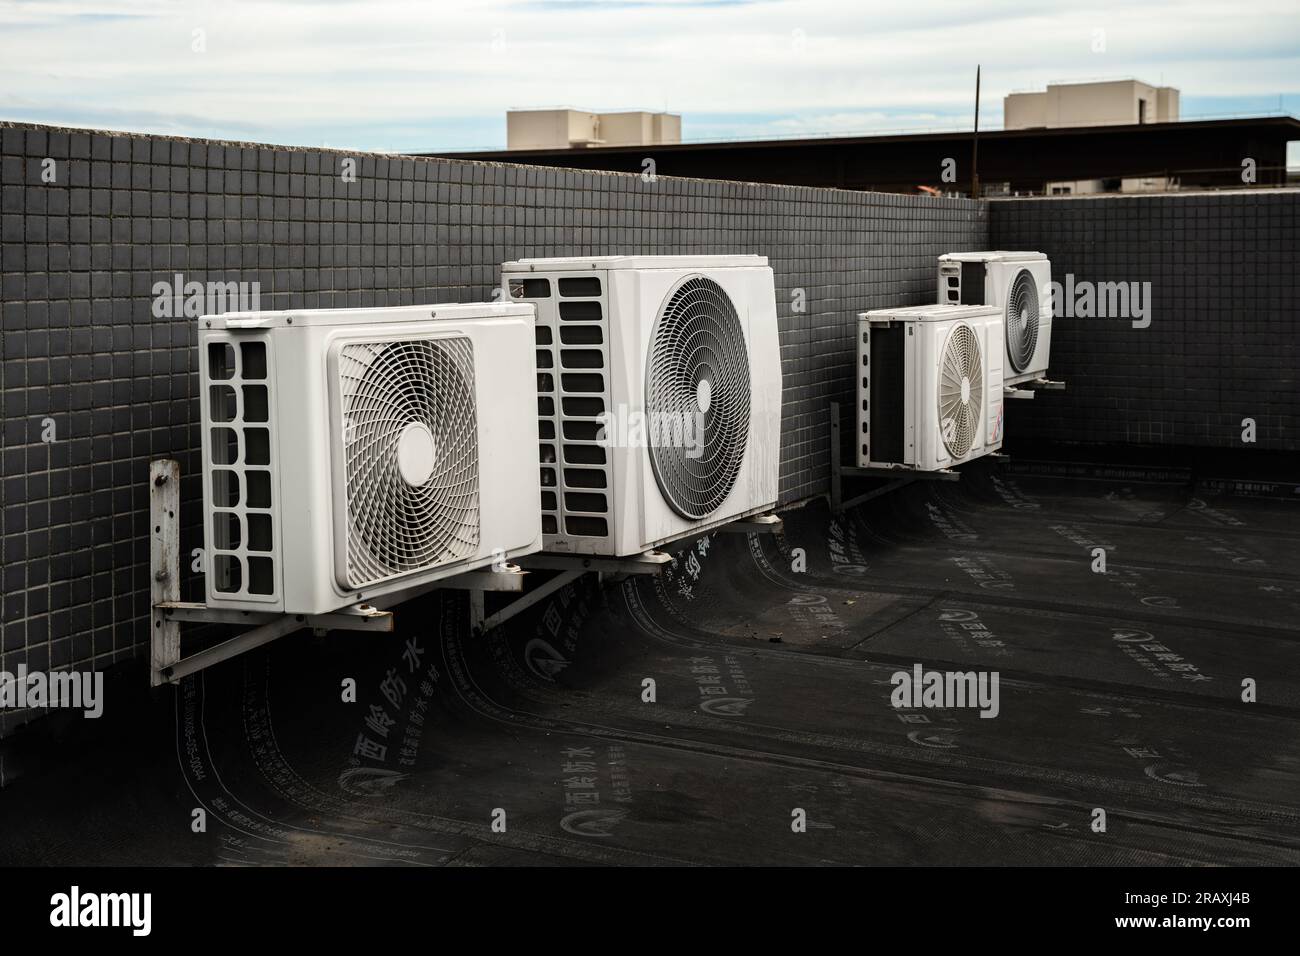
[350,454]
[929,386]
[658,395]
[1019,283]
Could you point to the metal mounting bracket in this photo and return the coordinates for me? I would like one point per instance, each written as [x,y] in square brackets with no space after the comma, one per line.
[359,617]
[754,524]
[168,612]
[481,622]
[509,577]
[164,566]
[896,477]
[273,626]
[1031,388]
[651,562]
[571,567]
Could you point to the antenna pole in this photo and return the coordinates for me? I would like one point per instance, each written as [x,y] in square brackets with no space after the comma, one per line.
[975,143]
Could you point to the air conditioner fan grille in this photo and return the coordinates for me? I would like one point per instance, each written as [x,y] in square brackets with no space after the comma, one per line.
[410,449]
[1022,320]
[697,387]
[961,391]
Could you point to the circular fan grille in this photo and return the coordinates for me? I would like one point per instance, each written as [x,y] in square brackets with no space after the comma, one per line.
[1022,320]
[697,397]
[961,391]
[410,446]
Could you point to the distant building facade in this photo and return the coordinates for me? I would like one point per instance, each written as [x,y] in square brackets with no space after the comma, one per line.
[1104,103]
[577,129]
[1109,102]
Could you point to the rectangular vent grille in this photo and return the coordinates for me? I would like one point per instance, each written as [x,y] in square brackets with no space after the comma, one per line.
[242,536]
[886,392]
[972,283]
[572,340]
[863,439]
[950,283]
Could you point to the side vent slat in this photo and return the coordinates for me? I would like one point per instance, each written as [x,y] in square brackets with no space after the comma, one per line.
[242,535]
[583,360]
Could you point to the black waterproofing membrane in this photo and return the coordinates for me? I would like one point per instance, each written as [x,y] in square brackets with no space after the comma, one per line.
[772,737]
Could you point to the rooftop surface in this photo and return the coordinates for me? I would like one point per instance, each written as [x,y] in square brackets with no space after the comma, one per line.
[1119,690]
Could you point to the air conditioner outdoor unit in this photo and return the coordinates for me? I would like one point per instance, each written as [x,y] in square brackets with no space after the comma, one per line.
[350,454]
[658,395]
[929,386]
[1019,283]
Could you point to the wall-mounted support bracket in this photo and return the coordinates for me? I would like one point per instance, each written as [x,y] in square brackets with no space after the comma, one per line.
[570,568]
[481,622]
[509,578]
[168,612]
[754,524]
[359,618]
[164,565]
[895,478]
[1024,390]
[651,562]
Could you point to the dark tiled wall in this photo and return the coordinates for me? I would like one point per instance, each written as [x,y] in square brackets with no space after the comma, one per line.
[81,350]
[1224,338]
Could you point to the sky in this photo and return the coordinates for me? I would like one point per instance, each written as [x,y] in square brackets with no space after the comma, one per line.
[406,76]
